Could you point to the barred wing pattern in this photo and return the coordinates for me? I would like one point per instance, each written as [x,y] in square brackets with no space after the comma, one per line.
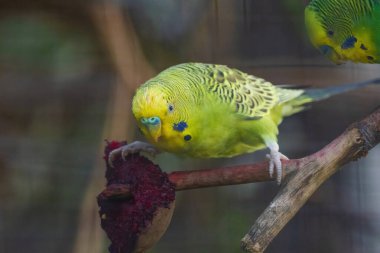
[251,96]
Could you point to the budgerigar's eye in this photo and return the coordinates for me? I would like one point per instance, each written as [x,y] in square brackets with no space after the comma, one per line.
[170,108]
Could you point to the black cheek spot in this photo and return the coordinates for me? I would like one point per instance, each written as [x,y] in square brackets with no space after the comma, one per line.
[187,137]
[370,58]
[363,47]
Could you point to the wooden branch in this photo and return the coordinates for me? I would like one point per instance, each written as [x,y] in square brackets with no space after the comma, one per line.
[240,174]
[192,179]
[311,172]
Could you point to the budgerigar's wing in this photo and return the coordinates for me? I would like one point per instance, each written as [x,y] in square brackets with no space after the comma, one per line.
[250,96]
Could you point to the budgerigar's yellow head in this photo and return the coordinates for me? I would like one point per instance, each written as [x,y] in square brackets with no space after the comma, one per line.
[319,37]
[157,110]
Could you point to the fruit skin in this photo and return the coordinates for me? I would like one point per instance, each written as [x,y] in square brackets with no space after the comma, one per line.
[152,233]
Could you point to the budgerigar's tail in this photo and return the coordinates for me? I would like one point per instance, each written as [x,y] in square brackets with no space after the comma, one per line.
[298,103]
[323,93]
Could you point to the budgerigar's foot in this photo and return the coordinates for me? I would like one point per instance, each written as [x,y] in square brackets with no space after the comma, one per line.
[134,147]
[275,161]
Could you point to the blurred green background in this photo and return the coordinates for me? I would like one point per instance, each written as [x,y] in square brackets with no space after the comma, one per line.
[68,70]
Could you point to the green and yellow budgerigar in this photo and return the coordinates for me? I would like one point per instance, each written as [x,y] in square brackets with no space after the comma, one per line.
[345,30]
[206,110]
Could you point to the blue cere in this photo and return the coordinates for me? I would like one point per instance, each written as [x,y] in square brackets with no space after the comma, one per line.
[151,121]
[349,42]
[180,127]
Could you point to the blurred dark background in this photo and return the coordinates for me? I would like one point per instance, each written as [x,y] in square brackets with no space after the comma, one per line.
[68,70]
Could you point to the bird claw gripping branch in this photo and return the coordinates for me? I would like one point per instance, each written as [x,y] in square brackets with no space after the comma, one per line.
[135,147]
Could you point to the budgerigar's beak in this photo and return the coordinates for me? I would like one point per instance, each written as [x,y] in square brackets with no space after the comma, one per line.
[153,125]
[155,131]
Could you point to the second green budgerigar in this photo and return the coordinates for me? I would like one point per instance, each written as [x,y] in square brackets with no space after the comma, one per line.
[206,110]
[345,30]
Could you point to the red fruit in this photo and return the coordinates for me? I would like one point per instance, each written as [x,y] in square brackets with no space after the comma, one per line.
[136,222]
